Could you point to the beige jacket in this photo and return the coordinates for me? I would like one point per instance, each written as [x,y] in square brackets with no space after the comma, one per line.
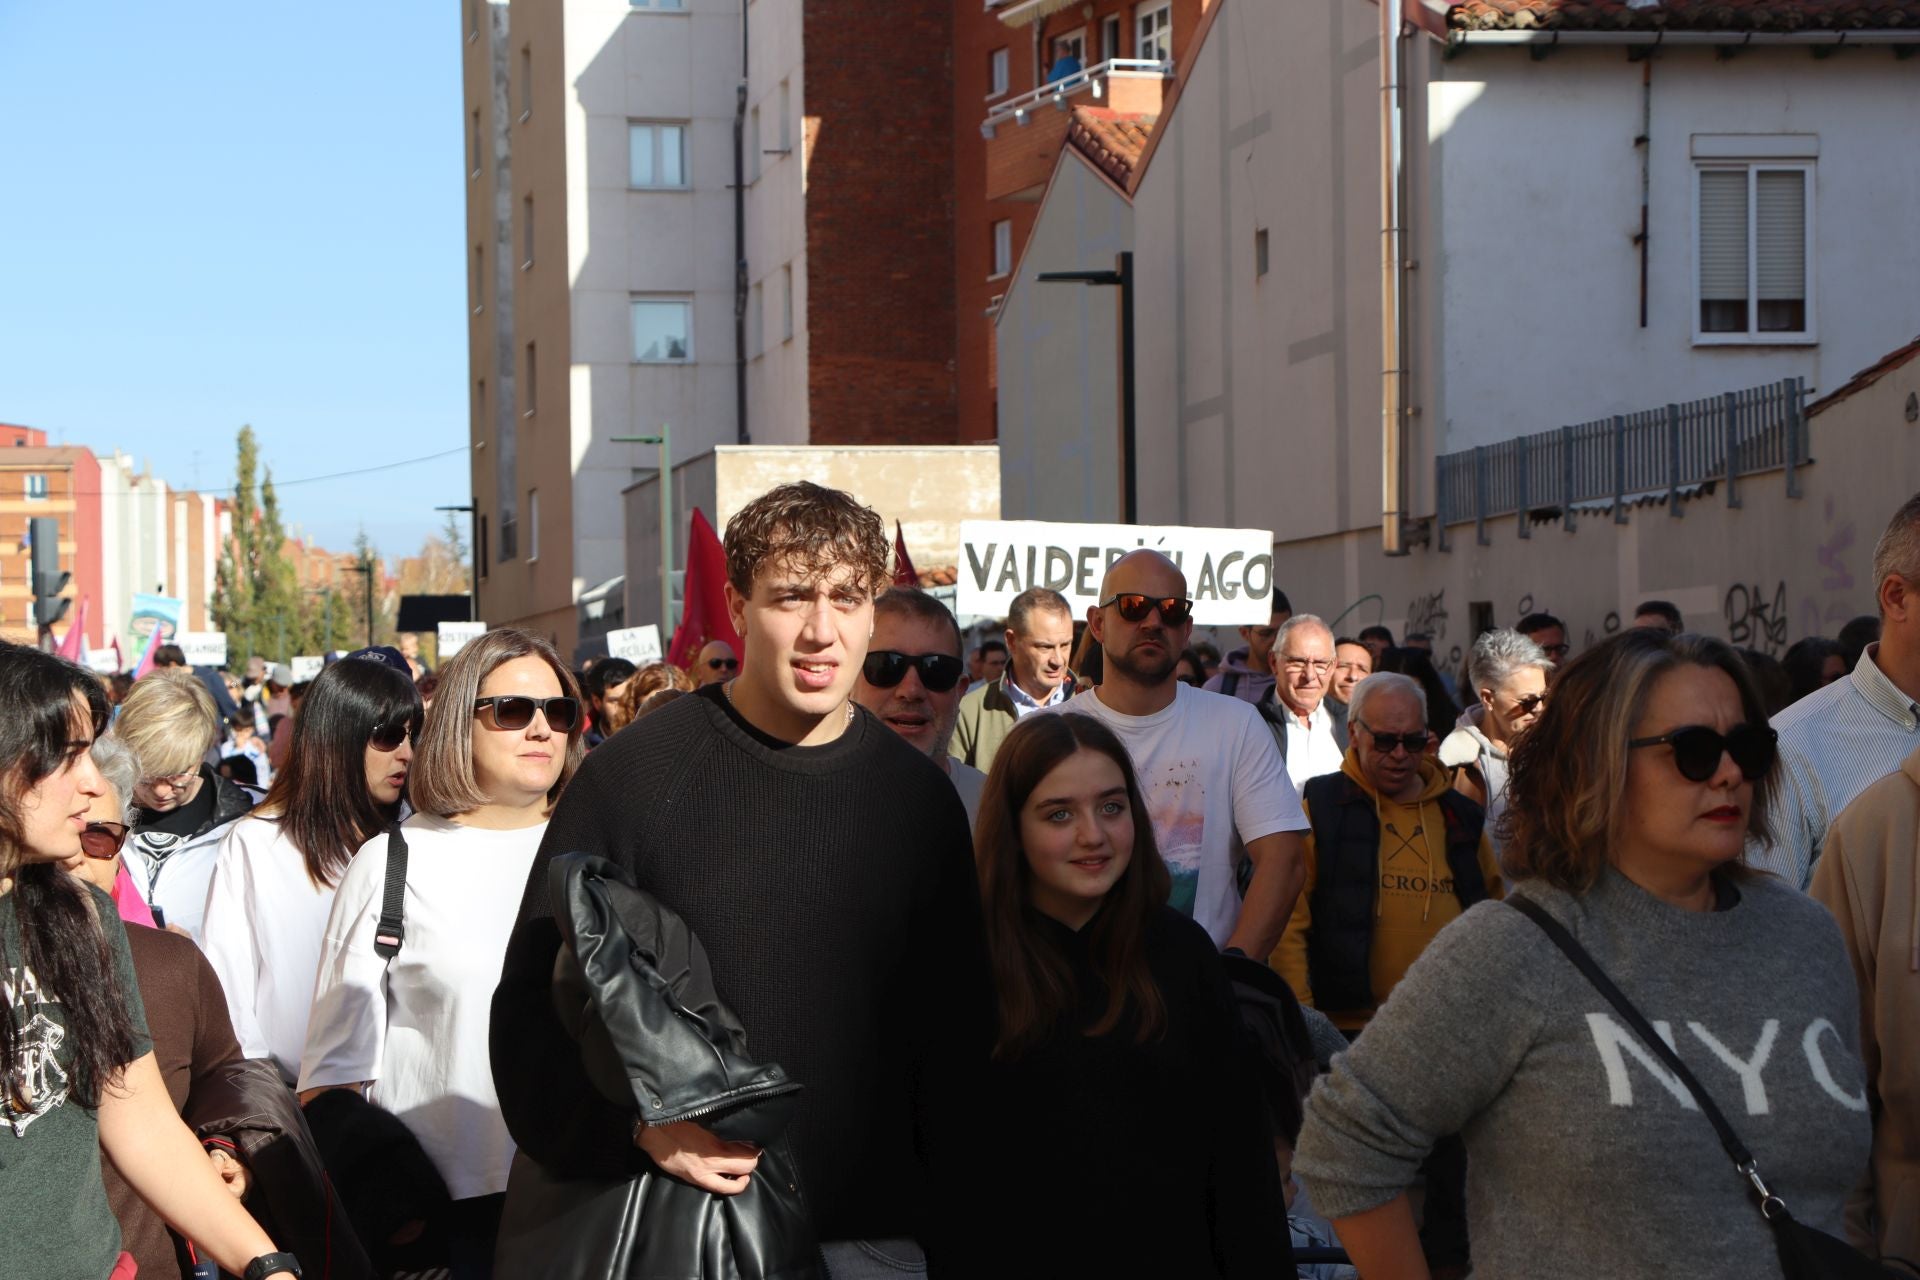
[1866,877]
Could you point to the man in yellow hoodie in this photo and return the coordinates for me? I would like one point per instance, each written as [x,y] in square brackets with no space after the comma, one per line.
[1393,855]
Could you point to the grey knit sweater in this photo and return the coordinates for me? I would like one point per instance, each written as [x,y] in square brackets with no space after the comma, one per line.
[1585,1157]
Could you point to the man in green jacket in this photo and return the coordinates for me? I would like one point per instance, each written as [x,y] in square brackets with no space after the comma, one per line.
[1039,642]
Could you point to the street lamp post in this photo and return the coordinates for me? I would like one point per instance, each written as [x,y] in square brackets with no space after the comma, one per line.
[1121,277]
[665,441]
[473,557]
[365,567]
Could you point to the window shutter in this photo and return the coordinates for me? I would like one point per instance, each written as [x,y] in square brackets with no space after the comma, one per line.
[1723,235]
[1780,200]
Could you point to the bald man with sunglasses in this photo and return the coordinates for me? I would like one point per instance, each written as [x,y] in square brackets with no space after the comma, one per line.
[1214,784]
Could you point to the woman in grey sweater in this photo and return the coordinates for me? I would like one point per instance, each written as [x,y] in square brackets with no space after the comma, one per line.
[1630,802]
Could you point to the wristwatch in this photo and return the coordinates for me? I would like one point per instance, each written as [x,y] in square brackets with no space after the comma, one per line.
[272,1264]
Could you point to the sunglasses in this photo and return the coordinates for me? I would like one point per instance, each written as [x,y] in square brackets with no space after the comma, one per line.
[388,737]
[1385,743]
[1134,608]
[1525,706]
[1555,652]
[723,664]
[885,668]
[1697,750]
[512,711]
[102,839]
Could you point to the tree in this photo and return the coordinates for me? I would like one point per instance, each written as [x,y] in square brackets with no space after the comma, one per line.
[255,599]
[441,567]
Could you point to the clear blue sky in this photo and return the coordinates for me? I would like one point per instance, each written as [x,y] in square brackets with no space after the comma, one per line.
[223,212]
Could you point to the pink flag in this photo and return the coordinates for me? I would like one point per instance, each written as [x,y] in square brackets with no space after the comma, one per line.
[73,646]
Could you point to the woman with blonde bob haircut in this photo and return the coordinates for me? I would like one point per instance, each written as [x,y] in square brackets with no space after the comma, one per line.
[501,742]
[1630,804]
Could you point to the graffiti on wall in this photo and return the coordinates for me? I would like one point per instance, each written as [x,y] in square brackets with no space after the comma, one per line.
[1428,614]
[1756,619]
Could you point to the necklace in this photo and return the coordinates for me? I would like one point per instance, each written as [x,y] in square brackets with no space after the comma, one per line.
[727,689]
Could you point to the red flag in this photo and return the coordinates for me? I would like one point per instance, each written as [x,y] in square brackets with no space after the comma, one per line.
[73,646]
[703,607]
[903,571]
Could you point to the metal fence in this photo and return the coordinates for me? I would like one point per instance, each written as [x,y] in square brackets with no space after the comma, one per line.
[1626,458]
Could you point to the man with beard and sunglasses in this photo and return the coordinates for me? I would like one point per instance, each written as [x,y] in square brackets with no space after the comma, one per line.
[911,680]
[825,867]
[1215,787]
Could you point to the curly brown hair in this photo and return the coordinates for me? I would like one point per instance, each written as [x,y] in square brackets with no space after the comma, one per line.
[643,684]
[811,529]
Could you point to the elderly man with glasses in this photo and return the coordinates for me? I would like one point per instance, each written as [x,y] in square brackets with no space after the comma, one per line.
[1214,784]
[1310,731]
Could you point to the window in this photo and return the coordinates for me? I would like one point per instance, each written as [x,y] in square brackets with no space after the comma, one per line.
[479,279]
[36,487]
[786,303]
[1002,249]
[533,525]
[480,409]
[657,155]
[530,387]
[753,144]
[484,549]
[1110,37]
[509,537]
[662,330]
[526,233]
[756,320]
[1753,248]
[1153,31]
[659,6]
[786,117]
[997,73]
[475,143]
[473,20]
[526,81]
[1260,252]
[1069,55]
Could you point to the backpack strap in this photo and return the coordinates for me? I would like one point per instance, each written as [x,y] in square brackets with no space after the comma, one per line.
[392,930]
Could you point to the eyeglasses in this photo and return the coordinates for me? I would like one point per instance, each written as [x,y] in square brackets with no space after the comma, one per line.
[1386,743]
[1697,749]
[1135,607]
[102,839]
[885,668]
[512,711]
[1295,666]
[1526,705]
[1555,652]
[177,781]
[723,664]
[388,737]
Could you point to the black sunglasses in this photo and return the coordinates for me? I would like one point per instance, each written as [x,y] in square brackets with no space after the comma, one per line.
[102,839]
[388,737]
[1135,607]
[724,664]
[512,711]
[1526,705]
[885,668]
[1385,743]
[1697,749]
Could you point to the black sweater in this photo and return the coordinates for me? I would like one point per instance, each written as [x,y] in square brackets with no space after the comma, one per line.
[833,889]
[1165,1155]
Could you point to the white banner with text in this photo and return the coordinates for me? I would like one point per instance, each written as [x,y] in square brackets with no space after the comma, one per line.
[1229,571]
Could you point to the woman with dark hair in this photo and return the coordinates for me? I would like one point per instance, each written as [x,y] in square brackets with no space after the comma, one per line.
[1629,806]
[1190,669]
[410,1033]
[1418,664]
[274,882]
[1111,1005]
[1812,664]
[77,1071]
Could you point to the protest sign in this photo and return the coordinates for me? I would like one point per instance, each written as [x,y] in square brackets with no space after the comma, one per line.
[638,645]
[306,667]
[203,648]
[452,637]
[1229,571]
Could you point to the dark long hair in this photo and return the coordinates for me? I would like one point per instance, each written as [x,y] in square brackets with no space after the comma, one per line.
[48,708]
[1031,976]
[320,796]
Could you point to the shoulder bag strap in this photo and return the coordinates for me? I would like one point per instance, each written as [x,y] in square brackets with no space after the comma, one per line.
[1557,932]
[392,930]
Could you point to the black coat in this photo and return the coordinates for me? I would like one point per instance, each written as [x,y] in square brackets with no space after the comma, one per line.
[633,987]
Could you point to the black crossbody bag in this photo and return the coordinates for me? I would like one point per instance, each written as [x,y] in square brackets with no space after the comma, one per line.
[1805,1253]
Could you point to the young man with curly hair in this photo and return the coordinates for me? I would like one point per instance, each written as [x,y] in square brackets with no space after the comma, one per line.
[827,869]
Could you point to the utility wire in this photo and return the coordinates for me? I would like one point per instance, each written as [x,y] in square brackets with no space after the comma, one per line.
[277,484]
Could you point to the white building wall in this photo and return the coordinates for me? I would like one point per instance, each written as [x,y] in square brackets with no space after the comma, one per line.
[776,206]
[1535,293]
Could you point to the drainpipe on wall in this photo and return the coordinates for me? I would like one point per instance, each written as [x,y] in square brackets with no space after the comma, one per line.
[1393,375]
[742,435]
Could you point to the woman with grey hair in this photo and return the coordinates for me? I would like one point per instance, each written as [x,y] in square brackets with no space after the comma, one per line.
[1509,677]
[103,840]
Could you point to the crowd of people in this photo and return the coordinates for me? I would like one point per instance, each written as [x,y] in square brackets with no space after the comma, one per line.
[1082,950]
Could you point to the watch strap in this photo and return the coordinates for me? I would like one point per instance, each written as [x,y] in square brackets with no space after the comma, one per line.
[268,1264]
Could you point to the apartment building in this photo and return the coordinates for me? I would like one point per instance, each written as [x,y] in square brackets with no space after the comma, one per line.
[41,480]
[1022,68]
[731,218]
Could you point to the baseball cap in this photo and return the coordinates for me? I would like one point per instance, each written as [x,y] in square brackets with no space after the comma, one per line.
[382,653]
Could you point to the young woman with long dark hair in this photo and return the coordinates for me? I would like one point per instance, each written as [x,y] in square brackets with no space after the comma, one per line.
[1119,1053]
[273,886]
[76,1064]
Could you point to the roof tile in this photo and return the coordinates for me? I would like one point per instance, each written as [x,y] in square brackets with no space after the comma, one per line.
[1684,15]
[1112,140]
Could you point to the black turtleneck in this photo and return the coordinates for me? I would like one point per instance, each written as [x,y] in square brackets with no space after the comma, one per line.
[833,889]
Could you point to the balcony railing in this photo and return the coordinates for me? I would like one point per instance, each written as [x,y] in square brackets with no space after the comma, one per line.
[1615,461]
[1097,80]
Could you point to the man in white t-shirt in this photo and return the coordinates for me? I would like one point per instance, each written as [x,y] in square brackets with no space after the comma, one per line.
[1214,783]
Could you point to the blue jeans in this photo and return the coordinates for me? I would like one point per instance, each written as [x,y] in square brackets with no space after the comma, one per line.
[874,1259]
